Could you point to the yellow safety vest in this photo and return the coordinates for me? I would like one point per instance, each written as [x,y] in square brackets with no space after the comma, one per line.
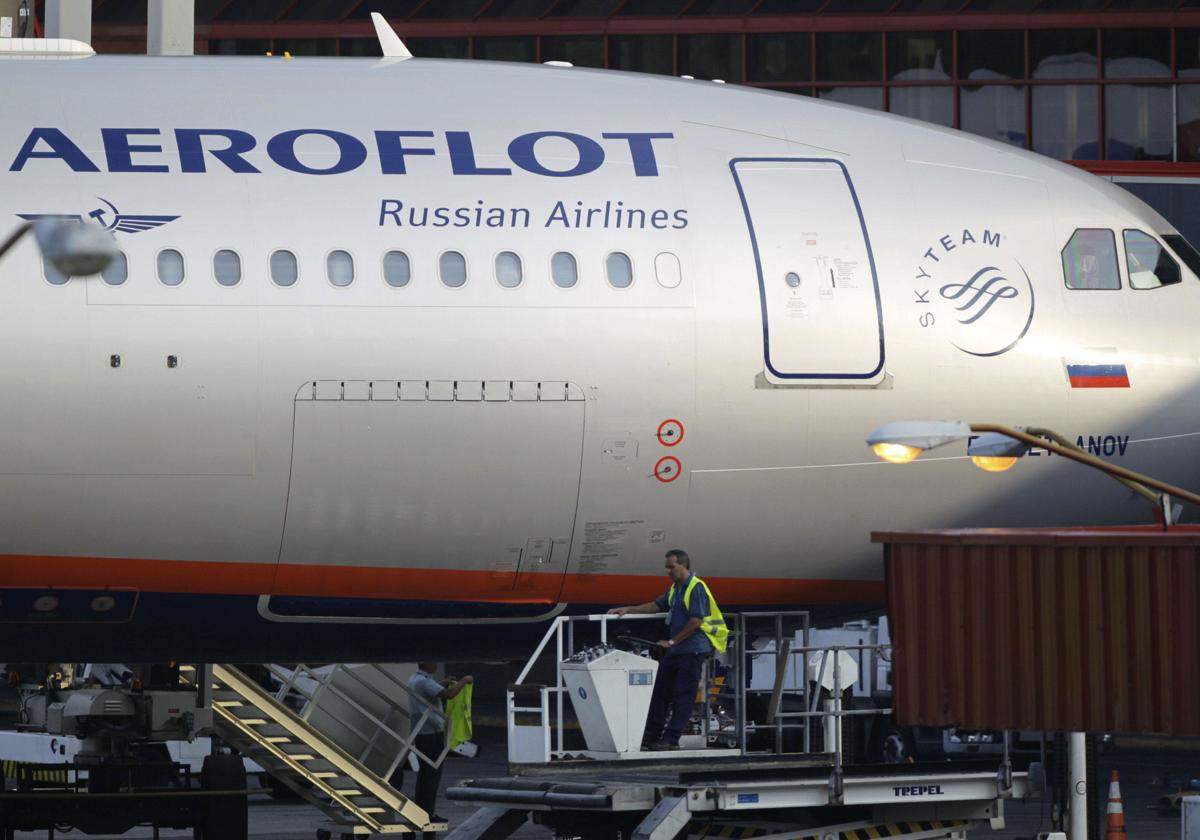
[712,624]
[458,714]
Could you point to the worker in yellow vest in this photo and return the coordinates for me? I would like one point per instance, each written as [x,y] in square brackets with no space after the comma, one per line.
[425,694]
[696,628]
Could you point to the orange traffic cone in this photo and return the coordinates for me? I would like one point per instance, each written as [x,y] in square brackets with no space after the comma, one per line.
[1114,828]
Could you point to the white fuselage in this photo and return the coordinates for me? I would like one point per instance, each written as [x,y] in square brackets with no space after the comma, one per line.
[485,445]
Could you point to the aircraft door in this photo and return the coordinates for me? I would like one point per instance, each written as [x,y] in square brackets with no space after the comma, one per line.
[821,315]
[430,500]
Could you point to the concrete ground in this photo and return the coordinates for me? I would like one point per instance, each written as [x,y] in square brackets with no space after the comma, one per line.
[1144,765]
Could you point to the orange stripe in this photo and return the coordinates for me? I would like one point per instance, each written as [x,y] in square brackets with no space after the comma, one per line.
[210,577]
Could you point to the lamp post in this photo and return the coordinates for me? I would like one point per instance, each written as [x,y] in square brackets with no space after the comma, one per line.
[75,249]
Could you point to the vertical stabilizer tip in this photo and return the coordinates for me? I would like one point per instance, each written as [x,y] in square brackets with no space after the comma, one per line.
[389,41]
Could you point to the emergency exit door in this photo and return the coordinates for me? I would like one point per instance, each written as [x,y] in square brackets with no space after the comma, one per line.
[821,316]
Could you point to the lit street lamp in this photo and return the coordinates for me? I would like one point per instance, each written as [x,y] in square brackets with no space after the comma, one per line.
[995,448]
[75,249]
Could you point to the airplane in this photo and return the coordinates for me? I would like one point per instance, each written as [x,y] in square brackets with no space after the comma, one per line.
[403,358]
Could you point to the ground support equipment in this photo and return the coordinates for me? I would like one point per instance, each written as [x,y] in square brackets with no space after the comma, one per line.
[788,746]
[304,759]
[779,802]
[336,750]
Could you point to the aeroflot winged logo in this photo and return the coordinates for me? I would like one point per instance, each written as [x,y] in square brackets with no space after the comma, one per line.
[109,218]
[971,290]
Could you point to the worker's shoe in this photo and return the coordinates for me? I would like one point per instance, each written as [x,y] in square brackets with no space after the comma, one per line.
[663,746]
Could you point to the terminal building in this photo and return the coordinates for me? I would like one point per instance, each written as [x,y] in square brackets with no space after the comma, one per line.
[1112,86]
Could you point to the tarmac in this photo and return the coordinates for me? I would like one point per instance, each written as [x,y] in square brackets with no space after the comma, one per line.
[1145,764]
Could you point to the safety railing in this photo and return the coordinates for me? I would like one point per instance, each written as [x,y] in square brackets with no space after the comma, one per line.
[784,628]
[536,712]
[308,691]
[543,741]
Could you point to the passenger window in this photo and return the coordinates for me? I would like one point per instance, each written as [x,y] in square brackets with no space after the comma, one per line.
[508,270]
[397,270]
[667,270]
[227,268]
[452,268]
[619,270]
[1090,260]
[53,276]
[170,267]
[339,268]
[564,270]
[1149,264]
[117,271]
[284,268]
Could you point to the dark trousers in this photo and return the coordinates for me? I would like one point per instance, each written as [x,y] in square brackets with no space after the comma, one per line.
[674,696]
[428,778]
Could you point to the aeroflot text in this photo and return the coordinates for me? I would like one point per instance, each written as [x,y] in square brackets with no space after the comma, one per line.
[319,151]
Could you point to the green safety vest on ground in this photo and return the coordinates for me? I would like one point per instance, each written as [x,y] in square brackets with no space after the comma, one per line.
[712,624]
[458,716]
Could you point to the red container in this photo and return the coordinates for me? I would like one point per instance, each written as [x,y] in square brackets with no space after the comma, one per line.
[1058,630]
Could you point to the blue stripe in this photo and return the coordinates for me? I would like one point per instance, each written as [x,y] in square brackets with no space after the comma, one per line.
[157,627]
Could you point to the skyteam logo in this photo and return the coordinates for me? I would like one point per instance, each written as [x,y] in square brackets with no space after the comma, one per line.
[985,289]
[109,218]
[969,289]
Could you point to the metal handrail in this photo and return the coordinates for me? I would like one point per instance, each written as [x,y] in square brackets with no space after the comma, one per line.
[324,682]
[784,625]
[563,649]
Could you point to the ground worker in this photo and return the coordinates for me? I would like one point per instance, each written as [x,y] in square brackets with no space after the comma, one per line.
[691,608]
[430,737]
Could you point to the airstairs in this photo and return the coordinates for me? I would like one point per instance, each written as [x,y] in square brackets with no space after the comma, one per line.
[311,758]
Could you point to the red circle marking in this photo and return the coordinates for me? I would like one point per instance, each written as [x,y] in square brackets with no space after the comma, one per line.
[664,425]
[667,469]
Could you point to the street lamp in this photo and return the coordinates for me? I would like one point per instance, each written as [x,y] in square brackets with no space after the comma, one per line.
[904,440]
[993,452]
[996,448]
[72,247]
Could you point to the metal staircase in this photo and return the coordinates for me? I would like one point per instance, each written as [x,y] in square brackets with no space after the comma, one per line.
[297,754]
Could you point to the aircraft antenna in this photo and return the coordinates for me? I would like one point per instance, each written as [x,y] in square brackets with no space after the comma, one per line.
[389,41]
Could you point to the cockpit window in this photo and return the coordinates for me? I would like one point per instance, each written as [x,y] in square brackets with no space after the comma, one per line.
[1090,260]
[1150,266]
[1184,250]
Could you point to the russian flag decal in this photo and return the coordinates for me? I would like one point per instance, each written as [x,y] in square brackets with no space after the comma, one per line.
[1090,375]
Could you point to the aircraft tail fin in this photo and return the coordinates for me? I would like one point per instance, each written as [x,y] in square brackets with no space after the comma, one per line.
[389,41]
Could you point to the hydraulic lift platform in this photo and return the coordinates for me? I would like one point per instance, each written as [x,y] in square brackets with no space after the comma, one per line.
[886,801]
[734,779]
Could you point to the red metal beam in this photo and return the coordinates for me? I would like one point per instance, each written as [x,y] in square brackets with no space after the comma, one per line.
[1147,168]
[685,26]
